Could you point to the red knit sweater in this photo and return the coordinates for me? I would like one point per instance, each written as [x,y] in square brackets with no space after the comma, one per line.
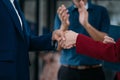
[109,52]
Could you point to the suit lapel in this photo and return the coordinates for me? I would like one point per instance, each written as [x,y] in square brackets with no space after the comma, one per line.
[13,15]
[25,26]
[22,16]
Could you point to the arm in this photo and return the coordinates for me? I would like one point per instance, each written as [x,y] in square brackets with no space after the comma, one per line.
[87,46]
[94,33]
[46,41]
[62,17]
[41,43]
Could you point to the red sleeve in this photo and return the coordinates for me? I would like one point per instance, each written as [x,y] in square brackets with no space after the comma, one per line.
[109,52]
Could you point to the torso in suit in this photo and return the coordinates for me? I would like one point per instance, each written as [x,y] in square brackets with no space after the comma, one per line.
[16,42]
[108,52]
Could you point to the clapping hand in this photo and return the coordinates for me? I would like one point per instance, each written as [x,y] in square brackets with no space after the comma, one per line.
[63,15]
[83,14]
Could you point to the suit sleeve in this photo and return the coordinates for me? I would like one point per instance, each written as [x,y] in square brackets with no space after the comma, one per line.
[41,43]
[108,52]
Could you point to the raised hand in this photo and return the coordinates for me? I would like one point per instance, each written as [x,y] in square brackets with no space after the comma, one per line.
[63,15]
[83,14]
[58,35]
[108,39]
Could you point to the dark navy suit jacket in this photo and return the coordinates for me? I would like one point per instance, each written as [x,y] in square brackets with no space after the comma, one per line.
[15,43]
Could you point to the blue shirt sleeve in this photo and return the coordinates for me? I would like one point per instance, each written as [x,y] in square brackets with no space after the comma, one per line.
[105,21]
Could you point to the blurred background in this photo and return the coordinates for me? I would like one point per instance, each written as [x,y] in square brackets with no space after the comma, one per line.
[40,17]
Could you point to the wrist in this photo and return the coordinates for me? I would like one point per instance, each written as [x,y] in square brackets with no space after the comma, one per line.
[63,27]
[76,37]
[86,25]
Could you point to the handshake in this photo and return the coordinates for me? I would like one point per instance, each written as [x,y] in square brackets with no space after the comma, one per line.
[66,39]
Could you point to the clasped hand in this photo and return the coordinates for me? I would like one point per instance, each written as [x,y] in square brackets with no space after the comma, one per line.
[66,39]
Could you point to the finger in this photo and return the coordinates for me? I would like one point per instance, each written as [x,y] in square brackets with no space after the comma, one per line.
[69,46]
[65,12]
[63,9]
[63,6]
[109,41]
[68,22]
[79,10]
[59,9]
[62,35]
[59,39]
[64,15]
[108,38]
[62,43]
[82,6]
[67,19]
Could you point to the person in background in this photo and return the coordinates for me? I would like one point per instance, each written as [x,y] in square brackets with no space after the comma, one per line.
[73,65]
[107,50]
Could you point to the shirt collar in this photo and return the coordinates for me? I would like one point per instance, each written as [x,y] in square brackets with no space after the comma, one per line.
[86,6]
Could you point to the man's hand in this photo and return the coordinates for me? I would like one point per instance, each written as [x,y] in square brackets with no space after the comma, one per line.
[58,35]
[108,39]
[83,14]
[70,40]
[63,15]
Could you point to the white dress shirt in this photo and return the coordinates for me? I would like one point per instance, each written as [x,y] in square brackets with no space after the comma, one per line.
[12,1]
